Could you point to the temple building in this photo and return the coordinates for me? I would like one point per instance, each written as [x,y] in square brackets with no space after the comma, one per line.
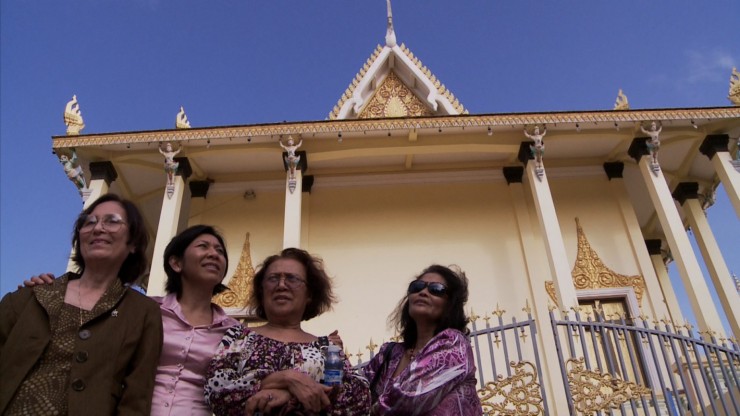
[563,222]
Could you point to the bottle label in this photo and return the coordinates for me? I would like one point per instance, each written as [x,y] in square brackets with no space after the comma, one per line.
[333,377]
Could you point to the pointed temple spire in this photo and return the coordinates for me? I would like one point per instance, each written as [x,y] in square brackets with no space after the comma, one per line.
[390,35]
[394,83]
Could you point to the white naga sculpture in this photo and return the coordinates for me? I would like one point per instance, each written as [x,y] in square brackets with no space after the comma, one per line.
[181,120]
[653,144]
[537,149]
[621,103]
[73,117]
[73,171]
[734,95]
[291,159]
[170,166]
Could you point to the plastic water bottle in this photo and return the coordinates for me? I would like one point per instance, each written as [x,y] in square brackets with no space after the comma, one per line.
[333,366]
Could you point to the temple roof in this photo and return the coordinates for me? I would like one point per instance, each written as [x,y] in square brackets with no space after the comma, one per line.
[394,83]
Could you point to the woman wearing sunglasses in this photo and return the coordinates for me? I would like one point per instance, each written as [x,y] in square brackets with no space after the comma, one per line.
[431,372]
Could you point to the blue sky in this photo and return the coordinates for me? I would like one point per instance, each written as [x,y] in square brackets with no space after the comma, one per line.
[132,64]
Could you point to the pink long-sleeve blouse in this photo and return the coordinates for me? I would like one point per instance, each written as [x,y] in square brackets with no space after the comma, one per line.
[186,352]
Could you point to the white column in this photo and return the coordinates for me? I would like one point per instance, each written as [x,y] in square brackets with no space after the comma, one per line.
[292,219]
[639,250]
[687,195]
[170,220]
[554,246]
[293,199]
[661,271]
[537,276]
[715,148]
[102,174]
[678,241]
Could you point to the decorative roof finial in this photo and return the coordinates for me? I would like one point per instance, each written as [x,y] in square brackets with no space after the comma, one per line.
[390,35]
[181,120]
[734,95]
[73,117]
[621,103]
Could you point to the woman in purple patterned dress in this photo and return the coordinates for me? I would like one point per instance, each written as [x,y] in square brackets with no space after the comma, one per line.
[275,369]
[432,371]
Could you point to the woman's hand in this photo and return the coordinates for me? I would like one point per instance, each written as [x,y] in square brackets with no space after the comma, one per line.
[42,279]
[313,396]
[335,339]
[266,400]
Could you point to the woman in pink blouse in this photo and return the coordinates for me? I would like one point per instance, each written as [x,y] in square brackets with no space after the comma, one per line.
[195,262]
[431,372]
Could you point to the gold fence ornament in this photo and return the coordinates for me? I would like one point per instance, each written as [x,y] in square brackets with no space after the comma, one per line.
[518,394]
[593,391]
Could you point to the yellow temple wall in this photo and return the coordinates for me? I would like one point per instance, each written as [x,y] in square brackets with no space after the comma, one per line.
[375,239]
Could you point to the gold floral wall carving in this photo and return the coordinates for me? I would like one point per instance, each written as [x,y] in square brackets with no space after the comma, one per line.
[589,272]
[518,394]
[593,391]
[394,99]
[239,284]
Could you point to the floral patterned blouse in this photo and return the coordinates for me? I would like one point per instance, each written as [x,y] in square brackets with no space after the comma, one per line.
[439,381]
[244,358]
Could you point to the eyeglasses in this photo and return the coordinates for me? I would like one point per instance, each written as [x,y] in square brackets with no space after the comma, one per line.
[435,288]
[110,223]
[293,281]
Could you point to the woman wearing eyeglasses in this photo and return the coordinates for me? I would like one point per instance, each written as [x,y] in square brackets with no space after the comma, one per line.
[431,372]
[276,368]
[87,343]
[195,262]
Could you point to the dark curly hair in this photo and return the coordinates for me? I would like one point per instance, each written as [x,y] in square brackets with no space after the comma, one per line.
[452,317]
[136,263]
[318,283]
[177,246]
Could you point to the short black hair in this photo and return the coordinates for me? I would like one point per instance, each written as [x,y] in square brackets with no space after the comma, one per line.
[452,317]
[136,263]
[176,248]
[318,283]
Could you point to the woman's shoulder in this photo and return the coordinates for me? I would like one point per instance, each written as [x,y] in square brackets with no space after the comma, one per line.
[221,317]
[389,344]
[451,335]
[235,333]
[387,349]
[18,296]
[134,296]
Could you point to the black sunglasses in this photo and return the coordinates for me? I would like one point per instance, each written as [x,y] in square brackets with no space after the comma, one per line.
[435,288]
